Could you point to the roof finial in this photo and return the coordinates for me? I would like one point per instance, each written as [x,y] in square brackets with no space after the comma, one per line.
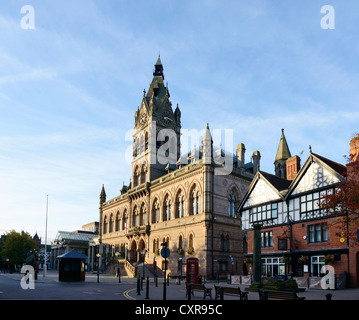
[310,149]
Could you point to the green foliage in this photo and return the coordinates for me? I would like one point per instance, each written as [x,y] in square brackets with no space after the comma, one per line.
[274,284]
[19,248]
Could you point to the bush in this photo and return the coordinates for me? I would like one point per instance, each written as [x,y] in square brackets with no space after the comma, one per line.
[274,284]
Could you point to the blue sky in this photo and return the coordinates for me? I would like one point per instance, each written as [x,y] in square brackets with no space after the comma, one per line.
[70,87]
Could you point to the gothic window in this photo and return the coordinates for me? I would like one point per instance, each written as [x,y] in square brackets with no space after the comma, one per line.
[111,223]
[156,211]
[180,205]
[105,225]
[143,215]
[125,220]
[180,242]
[190,241]
[146,140]
[232,203]
[167,208]
[195,201]
[118,221]
[136,217]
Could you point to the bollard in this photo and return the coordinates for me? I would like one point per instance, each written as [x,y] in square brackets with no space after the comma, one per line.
[168,280]
[138,287]
[328,296]
[265,295]
[189,287]
[147,288]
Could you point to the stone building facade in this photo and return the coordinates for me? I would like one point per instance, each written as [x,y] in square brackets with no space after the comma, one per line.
[183,199]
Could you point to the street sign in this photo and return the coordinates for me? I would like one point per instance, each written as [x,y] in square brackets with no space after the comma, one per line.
[165,253]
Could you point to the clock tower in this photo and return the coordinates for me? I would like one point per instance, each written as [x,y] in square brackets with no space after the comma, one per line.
[156,138]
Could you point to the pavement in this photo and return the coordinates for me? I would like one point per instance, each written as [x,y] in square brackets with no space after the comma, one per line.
[109,288]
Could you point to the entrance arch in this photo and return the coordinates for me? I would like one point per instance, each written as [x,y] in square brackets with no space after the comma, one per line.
[141,248]
[133,252]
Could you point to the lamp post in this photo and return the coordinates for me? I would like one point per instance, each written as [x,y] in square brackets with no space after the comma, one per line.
[98,255]
[117,254]
[143,262]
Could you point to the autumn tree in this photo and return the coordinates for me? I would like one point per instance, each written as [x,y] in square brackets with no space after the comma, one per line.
[344,202]
[19,248]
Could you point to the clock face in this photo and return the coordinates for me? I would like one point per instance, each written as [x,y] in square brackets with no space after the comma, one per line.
[167,118]
[143,119]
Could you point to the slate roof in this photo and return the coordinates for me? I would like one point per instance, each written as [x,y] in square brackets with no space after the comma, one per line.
[334,165]
[278,183]
[72,254]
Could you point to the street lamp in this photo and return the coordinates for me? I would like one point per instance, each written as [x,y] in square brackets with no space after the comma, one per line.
[117,254]
[143,262]
[98,255]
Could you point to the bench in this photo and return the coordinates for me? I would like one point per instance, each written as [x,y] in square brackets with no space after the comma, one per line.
[278,295]
[221,291]
[207,292]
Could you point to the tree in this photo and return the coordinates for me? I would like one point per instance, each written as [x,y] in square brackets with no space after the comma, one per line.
[19,248]
[344,202]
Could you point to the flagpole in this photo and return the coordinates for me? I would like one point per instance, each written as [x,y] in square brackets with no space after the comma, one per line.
[47,206]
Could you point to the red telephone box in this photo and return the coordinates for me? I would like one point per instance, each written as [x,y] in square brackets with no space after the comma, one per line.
[192,270]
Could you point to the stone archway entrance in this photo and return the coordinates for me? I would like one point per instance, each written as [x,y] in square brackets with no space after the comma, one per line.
[132,254]
[141,248]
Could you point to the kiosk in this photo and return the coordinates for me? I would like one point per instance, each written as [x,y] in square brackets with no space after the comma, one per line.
[72,266]
[192,271]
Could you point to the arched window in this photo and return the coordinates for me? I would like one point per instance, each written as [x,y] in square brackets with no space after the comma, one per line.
[143,175]
[180,242]
[167,208]
[232,203]
[118,221]
[125,225]
[195,201]
[136,217]
[156,211]
[111,223]
[146,140]
[143,215]
[180,205]
[190,241]
[105,224]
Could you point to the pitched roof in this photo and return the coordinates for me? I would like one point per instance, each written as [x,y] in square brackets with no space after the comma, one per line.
[278,183]
[334,165]
[72,254]
[283,152]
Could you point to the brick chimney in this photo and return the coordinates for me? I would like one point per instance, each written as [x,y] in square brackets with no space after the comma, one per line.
[354,149]
[293,166]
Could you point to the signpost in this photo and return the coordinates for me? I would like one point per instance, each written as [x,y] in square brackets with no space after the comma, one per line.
[165,253]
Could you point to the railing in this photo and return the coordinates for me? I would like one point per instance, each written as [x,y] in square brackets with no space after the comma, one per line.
[130,269]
